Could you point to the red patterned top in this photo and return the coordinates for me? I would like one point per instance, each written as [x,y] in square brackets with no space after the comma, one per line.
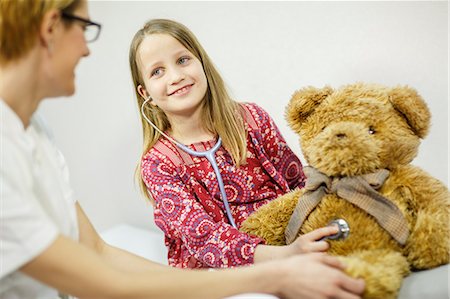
[189,209]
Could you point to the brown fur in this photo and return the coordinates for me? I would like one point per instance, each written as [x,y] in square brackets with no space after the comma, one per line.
[400,118]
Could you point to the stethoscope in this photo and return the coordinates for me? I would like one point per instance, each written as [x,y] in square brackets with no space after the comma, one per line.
[210,155]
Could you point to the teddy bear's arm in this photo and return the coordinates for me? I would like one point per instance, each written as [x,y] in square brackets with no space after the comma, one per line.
[429,210]
[269,221]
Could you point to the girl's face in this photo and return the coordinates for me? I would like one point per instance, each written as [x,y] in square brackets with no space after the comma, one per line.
[173,76]
[67,48]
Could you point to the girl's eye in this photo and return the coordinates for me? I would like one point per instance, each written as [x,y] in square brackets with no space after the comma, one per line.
[372,130]
[183,60]
[156,72]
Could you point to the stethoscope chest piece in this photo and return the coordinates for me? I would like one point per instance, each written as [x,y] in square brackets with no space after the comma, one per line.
[344,230]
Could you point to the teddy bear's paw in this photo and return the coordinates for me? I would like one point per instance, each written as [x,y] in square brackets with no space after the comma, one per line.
[382,271]
[429,244]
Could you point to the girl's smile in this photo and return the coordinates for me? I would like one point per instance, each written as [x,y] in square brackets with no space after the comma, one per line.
[182,91]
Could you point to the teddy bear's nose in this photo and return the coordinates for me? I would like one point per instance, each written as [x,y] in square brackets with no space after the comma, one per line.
[341,135]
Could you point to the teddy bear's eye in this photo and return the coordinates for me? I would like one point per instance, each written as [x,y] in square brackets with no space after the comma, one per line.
[371,130]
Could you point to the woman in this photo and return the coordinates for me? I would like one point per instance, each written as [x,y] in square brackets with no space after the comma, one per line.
[47,242]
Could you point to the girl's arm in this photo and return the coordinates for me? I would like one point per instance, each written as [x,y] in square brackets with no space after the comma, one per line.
[277,149]
[306,243]
[75,269]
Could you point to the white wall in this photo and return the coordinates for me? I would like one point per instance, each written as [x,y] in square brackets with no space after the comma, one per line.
[265,51]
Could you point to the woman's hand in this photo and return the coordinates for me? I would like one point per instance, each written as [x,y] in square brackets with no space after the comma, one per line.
[317,275]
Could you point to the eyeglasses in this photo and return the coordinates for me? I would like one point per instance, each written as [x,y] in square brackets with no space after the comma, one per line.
[91,29]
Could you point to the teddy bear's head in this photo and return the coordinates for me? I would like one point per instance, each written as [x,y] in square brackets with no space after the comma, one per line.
[358,128]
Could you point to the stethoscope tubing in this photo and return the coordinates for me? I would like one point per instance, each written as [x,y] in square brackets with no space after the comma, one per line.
[209,155]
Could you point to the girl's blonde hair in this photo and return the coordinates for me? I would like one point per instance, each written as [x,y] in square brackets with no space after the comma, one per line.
[20,21]
[221,114]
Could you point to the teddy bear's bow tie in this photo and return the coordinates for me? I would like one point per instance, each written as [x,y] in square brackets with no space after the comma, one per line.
[358,190]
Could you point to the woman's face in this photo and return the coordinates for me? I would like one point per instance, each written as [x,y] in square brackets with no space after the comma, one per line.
[173,76]
[68,47]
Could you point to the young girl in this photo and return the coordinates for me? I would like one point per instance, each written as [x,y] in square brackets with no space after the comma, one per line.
[208,161]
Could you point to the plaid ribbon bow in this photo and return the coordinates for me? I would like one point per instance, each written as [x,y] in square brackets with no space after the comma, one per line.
[358,190]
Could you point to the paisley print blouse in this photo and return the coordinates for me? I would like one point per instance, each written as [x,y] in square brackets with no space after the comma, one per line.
[188,205]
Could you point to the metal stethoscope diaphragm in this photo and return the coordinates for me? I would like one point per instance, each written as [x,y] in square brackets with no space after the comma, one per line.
[344,230]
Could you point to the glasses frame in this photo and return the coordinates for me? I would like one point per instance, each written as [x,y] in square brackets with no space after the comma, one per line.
[69,16]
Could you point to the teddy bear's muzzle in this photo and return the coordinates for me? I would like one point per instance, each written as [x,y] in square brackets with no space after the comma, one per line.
[344,148]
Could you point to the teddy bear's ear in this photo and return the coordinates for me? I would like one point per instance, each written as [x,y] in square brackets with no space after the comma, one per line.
[412,107]
[303,102]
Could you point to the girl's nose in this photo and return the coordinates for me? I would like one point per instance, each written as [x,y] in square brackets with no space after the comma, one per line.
[176,76]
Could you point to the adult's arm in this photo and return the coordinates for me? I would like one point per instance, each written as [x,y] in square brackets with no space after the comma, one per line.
[75,269]
[119,258]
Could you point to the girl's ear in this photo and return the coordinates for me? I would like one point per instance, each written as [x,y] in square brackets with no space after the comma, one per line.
[143,93]
[49,28]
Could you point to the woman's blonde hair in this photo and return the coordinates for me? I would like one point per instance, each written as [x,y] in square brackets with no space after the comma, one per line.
[221,114]
[20,21]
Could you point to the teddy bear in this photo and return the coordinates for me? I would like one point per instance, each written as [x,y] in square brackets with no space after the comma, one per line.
[358,141]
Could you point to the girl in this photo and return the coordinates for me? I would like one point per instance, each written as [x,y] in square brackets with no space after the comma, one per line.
[47,242]
[200,200]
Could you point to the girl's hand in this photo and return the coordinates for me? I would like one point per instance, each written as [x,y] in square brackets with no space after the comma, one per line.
[310,242]
[304,244]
